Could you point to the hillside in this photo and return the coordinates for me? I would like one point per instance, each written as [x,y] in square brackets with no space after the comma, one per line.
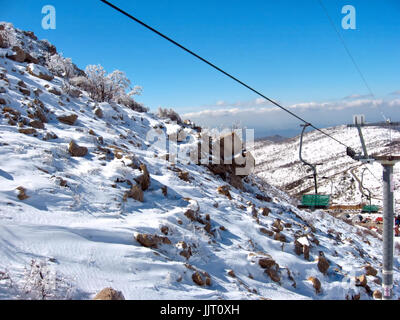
[338,175]
[87,202]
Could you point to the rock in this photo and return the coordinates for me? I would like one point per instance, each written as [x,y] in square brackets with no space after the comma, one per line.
[109,294]
[183,175]
[263,198]
[224,190]
[316,284]
[2,101]
[191,215]
[265,211]
[36,124]
[54,90]
[19,54]
[323,264]
[298,247]
[27,131]
[201,279]
[164,190]
[361,281]
[22,193]
[144,179]
[40,114]
[77,151]
[277,225]
[197,279]
[280,237]
[232,274]
[98,112]
[377,295]
[164,230]
[273,273]
[39,72]
[49,136]
[135,193]
[267,232]
[306,251]
[69,119]
[370,271]
[266,262]
[24,90]
[30,34]
[151,241]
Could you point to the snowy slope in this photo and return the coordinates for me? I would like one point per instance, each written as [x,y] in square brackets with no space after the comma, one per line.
[338,174]
[78,232]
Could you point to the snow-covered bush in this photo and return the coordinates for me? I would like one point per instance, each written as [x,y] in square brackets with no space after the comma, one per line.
[61,66]
[42,283]
[112,87]
[169,114]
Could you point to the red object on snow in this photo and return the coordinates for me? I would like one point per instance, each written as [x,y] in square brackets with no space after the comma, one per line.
[379,219]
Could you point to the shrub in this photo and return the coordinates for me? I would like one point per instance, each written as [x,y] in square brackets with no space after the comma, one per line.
[169,114]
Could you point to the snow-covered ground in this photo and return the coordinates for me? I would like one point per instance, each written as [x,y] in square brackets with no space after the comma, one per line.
[76,233]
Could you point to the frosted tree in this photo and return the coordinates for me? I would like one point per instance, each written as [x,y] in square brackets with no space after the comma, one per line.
[61,66]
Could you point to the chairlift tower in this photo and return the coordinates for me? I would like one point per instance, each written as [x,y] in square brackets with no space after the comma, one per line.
[387,162]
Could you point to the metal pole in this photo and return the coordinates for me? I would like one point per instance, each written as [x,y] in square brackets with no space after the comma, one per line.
[388,216]
[305,162]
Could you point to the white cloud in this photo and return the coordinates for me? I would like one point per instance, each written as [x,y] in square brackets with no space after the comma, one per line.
[321,114]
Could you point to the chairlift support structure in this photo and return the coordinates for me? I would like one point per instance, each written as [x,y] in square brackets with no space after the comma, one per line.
[387,162]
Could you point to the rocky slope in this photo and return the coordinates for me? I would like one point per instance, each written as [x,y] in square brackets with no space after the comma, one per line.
[87,202]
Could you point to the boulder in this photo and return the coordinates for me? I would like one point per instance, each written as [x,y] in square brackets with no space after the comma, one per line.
[377,295]
[109,294]
[22,56]
[77,151]
[39,72]
[144,179]
[266,262]
[68,119]
[224,190]
[98,112]
[54,90]
[323,264]
[201,279]
[2,101]
[273,273]
[22,193]
[265,211]
[370,271]
[361,281]
[27,131]
[183,175]
[135,193]
[36,124]
[151,241]
[280,237]
[316,284]
[277,225]
[198,279]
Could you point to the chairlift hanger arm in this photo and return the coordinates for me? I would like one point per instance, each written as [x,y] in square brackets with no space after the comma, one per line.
[304,161]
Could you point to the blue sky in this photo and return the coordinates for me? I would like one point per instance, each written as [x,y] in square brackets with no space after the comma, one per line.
[286,49]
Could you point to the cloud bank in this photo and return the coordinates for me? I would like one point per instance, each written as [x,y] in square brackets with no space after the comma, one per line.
[267,119]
